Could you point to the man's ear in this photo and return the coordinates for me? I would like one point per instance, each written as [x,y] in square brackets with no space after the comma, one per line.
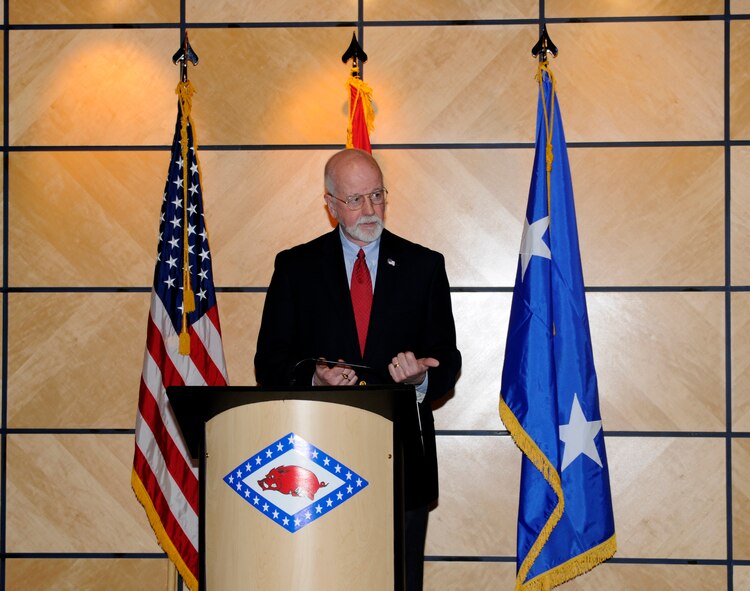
[331,206]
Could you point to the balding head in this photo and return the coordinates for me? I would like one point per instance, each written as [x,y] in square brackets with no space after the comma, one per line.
[345,163]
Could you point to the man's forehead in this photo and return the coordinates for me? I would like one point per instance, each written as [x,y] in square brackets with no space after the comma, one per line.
[358,174]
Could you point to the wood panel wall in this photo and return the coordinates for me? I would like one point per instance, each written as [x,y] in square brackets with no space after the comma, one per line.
[655,97]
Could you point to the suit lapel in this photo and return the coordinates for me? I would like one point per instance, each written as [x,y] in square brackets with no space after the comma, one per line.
[385,283]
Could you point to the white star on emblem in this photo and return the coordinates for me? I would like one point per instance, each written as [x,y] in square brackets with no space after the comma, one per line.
[279,445]
[275,514]
[326,461]
[578,436]
[532,243]
[285,521]
[329,502]
[318,509]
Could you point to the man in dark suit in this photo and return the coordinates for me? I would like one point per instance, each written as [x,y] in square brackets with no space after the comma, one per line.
[363,295]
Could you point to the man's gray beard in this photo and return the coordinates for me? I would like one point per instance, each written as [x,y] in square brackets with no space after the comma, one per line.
[359,233]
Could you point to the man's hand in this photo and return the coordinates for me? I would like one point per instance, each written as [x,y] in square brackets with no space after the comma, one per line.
[405,368]
[329,374]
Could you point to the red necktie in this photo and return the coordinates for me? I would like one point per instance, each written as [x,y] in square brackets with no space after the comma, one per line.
[361,290]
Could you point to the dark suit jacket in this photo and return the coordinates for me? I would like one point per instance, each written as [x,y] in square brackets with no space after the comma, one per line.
[308,313]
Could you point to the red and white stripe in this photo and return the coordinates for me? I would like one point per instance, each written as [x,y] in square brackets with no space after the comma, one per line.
[162,463]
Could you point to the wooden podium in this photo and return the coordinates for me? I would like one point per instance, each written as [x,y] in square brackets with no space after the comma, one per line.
[300,488]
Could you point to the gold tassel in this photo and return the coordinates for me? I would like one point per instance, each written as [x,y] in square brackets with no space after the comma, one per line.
[184,341]
[364,94]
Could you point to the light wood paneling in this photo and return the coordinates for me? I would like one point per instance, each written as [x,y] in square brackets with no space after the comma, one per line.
[482,327]
[473,84]
[378,10]
[277,11]
[589,8]
[740,215]
[739,81]
[92,87]
[740,6]
[94,11]
[650,577]
[86,574]
[259,203]
[651,216]
[85,218]
[74,359]
[742,573]
[660,360]
[250,91]
[741,499]
[669,497]
[240,321]
[740,362]
[633,94]
[71,493]
[477,576]
[467,204]
[475,197]
[478,504]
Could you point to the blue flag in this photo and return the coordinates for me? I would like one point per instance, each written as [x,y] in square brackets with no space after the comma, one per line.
[549,400]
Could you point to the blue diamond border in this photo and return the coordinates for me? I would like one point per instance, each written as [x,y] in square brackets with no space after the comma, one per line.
[353,482]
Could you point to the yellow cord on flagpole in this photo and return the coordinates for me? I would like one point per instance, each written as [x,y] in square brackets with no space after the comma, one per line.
[185,92]
[549,122]
[364,94]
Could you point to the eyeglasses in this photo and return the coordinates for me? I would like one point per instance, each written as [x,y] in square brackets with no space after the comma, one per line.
[355,202]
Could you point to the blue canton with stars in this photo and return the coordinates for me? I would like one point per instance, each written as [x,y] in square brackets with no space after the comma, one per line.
[168,274]
[337,482]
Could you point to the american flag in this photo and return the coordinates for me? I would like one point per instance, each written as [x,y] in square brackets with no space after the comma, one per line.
[164,477]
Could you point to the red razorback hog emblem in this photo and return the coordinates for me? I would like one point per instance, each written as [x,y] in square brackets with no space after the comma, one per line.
[292,480]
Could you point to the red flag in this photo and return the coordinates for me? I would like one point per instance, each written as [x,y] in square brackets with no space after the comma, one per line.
[361,115]
[183,347]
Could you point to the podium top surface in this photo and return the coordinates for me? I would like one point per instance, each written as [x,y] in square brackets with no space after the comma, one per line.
[193,406]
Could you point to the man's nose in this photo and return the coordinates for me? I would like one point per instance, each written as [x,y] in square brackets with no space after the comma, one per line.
[367,206]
